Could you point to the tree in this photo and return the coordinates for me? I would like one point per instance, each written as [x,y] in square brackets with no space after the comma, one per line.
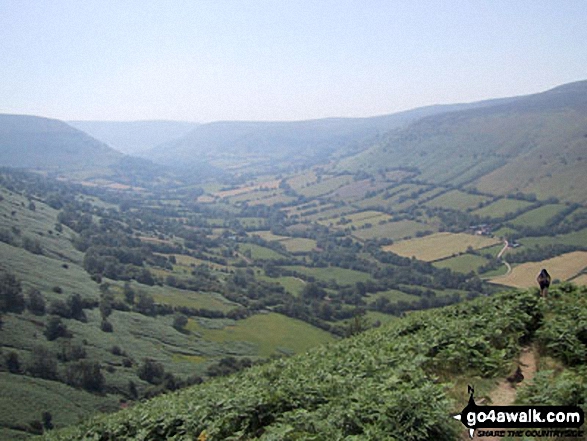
[47,420]
[75,305]
[313,291]
[358,324]
[42,363]
[56,328]
[129,294]
[145,304]
[36,302]
[11,298]
[12,363]
[85,374]
[151,371]
[106,326]
[179,322]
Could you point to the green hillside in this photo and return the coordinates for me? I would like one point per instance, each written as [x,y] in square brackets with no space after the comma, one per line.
[275,146]
[35,142]
[533,144]
[402,381]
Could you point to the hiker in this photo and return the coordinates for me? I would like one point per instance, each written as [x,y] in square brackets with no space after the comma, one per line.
[543,280]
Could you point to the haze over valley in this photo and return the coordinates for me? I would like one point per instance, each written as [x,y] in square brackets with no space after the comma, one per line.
[311,221]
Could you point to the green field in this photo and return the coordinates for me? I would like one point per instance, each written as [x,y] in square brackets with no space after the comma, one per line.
[178,297]
[393,295]
[342,276]
[258,252]
[299,245]
[578,238]
[270,334]
[292,285]
[539,216]
[393,230]
[457,200]
[502,207]
[464,263]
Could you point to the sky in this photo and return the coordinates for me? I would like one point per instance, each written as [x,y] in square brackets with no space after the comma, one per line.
[214,60]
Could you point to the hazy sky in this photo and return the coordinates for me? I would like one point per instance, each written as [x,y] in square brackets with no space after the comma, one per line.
[279,60]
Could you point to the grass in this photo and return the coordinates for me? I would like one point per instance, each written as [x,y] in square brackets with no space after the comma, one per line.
[341,276]
[393,230]
[26,398]
[502,207]
[563,267]
[457,200]
[302,180]
[462,264]
[393,295]
[538,217]
[574,238]
[178,297]
[271,334]
[292,285]
[258,252]
[268,236]
[299,245]
[440,245]
[49,272]
[325,186]
[493,250]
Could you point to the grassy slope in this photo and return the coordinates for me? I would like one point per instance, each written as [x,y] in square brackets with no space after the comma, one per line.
[397,379]
[535,144]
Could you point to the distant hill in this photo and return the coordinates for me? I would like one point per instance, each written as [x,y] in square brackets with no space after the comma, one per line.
[134,137]
[531,144]
[35,142]
[278,145]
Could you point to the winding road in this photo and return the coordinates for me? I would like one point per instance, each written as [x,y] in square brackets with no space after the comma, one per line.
[500,254]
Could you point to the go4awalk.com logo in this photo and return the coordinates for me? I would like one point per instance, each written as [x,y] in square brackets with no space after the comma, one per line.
[536,421]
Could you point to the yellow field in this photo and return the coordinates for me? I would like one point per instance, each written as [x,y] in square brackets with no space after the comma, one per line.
[439,246]
[563,267]
[581,280]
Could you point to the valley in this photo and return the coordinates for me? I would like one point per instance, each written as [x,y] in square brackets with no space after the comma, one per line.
[127,278]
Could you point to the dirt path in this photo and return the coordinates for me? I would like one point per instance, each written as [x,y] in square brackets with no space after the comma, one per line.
[505,247]
[504,393]
[500,254]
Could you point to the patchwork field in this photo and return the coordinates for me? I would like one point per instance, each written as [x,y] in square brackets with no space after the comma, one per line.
[563,268]
[502,207]
[270,333]
[342,276]
[457,200]
[393,230]
[325,186]
[393,295]
[464,263]
[574,238]
[539,216]
[299,245]
[258,252]
[440,245]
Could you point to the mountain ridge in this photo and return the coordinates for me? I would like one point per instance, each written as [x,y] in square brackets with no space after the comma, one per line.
[28,141]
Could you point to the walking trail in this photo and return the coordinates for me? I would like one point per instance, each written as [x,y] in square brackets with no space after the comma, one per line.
[500,254]
[505,393]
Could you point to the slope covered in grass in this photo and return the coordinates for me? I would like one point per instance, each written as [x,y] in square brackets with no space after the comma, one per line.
[395,381]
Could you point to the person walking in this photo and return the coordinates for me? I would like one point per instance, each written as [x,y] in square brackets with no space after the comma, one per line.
[543,280]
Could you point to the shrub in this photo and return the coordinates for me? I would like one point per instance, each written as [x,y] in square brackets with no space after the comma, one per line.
[55,329]
[36,302]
